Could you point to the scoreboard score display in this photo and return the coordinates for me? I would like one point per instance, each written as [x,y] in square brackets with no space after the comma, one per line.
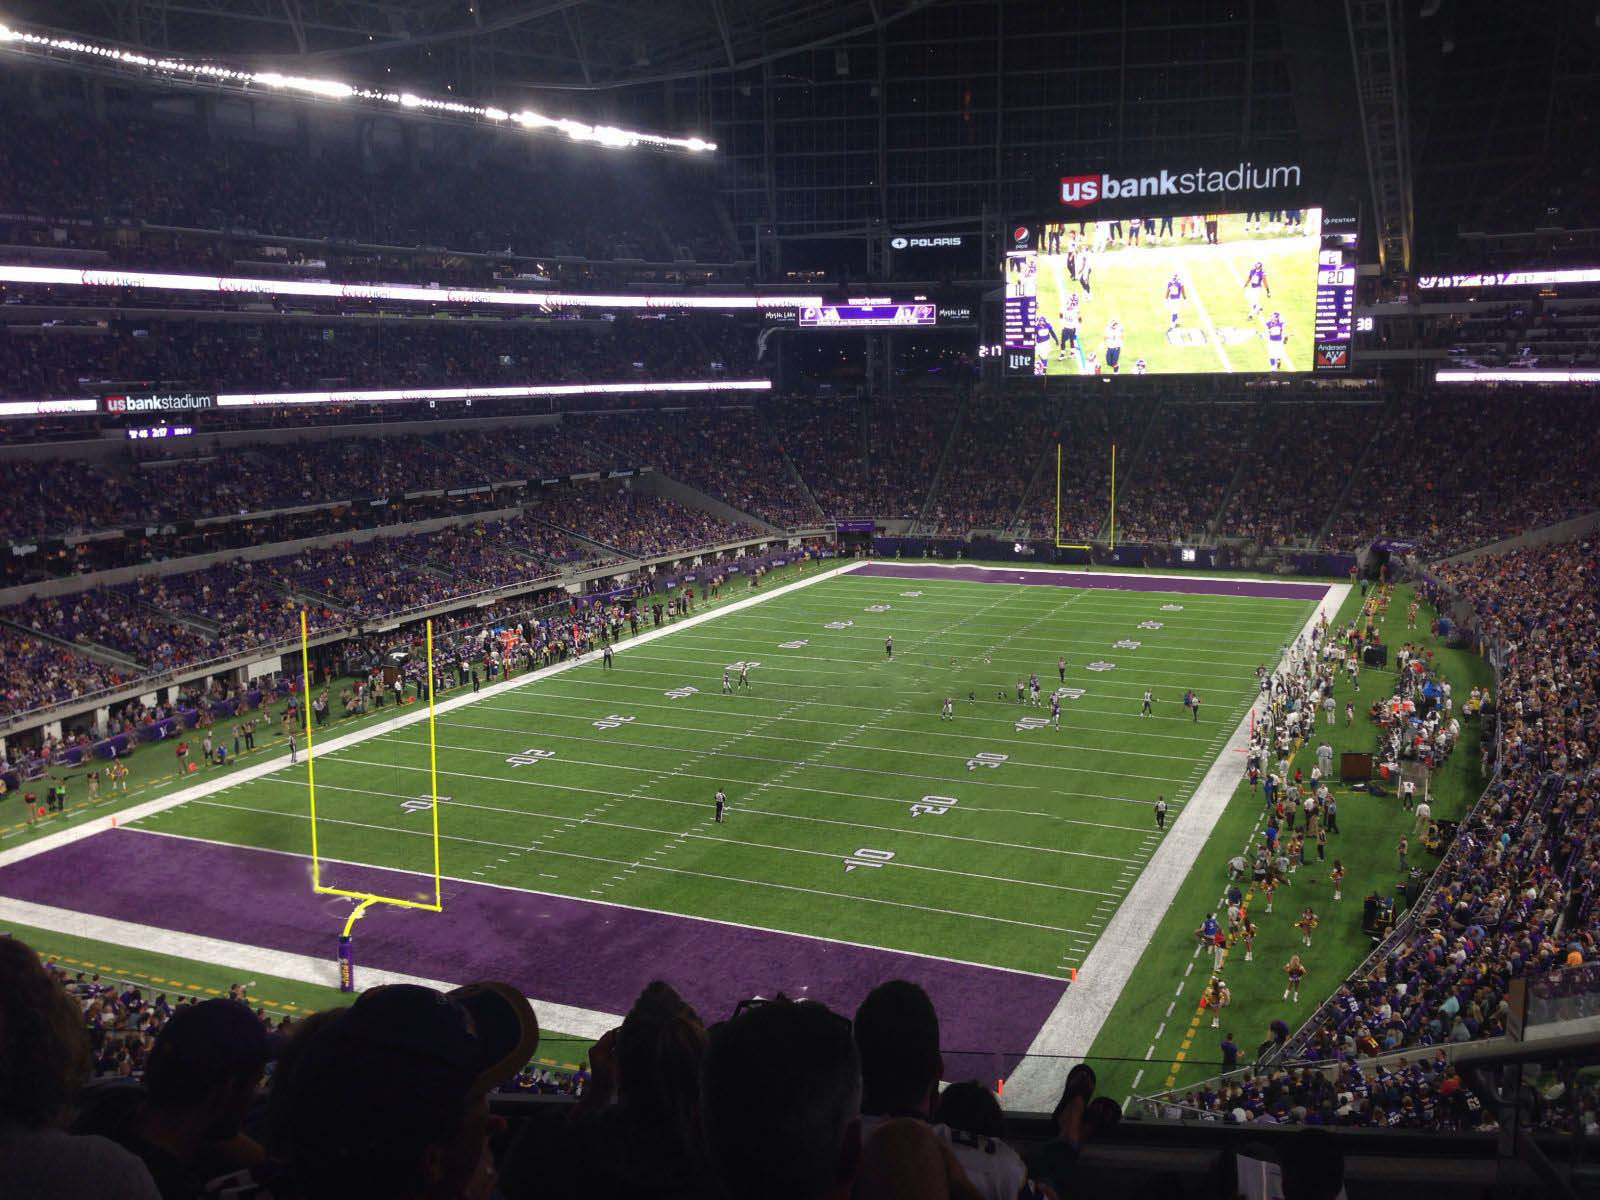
[1336,293]
[1208,293]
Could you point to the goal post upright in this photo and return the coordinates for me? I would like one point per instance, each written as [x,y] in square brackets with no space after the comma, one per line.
[1060,545]
[366,899]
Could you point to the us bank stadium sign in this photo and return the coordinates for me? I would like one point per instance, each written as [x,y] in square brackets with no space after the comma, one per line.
[1211,184]
[160,402]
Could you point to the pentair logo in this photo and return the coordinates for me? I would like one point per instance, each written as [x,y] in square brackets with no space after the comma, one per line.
[1078,191]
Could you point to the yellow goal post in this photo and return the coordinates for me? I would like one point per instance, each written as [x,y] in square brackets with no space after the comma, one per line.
[365,899]
[1112,510]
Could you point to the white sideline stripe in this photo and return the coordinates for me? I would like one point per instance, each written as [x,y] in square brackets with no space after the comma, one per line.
[199,791]
[1084,1008]
[254,960]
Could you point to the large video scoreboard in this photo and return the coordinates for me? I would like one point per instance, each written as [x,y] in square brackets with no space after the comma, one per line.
[1207,293]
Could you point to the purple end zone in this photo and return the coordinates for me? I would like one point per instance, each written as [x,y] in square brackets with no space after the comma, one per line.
[1265,589]
[555,949]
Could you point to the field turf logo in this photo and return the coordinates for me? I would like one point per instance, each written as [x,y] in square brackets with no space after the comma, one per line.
[1080,191]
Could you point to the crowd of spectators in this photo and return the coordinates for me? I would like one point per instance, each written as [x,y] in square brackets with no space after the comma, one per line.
[431,192]
[728,453]
[1427,1093]
[1183,469]
[995,455]
[906,436]
[1454,469]
[824,438]
[112,620]
[35,672]
[277,356]
[1090,427]
[1295,469]
[242,600]
[167,622]
[635,522]
[57,496]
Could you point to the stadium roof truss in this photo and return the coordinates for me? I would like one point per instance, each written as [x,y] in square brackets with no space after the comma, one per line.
[474,47]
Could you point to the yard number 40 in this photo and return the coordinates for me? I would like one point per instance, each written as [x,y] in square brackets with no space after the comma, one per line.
[867,858]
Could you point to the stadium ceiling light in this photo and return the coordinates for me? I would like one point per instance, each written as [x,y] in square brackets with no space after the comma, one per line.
[401,292]
[331,89]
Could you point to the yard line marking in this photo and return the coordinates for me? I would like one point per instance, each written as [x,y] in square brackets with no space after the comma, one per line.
[922,754]
[787,887]
[518,812]
[532,782]
[920,731]
[1007,706]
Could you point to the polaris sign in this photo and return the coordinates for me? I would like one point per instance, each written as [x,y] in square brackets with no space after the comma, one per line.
[1080,191]
[926,243]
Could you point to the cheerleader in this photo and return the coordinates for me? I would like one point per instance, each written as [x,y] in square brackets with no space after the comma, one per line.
[1306,923]
[1217,998]
[1295,970]
[1337,877]
[1248,935]
[1268,889]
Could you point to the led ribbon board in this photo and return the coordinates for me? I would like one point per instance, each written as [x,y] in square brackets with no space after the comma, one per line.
[395,292]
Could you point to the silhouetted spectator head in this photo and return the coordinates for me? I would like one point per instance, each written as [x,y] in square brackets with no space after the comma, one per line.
[390,1097]
[781,1101]
[897,1032]
[208,1059]
[971,1108]
[659,1050]
[44,1048]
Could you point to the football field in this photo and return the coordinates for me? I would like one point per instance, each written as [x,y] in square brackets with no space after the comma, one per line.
[1215,331]
[865,837]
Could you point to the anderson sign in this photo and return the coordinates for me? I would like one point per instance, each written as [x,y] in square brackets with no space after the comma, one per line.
[1080,191]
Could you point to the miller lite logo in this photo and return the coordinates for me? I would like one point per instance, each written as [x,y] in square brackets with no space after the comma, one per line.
[1077,191]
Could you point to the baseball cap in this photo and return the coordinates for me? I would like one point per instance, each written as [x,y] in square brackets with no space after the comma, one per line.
[364,1090]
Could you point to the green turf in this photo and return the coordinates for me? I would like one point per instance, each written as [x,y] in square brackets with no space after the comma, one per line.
[150,765]
[823,761]
[1215,330]
[1153,1018]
